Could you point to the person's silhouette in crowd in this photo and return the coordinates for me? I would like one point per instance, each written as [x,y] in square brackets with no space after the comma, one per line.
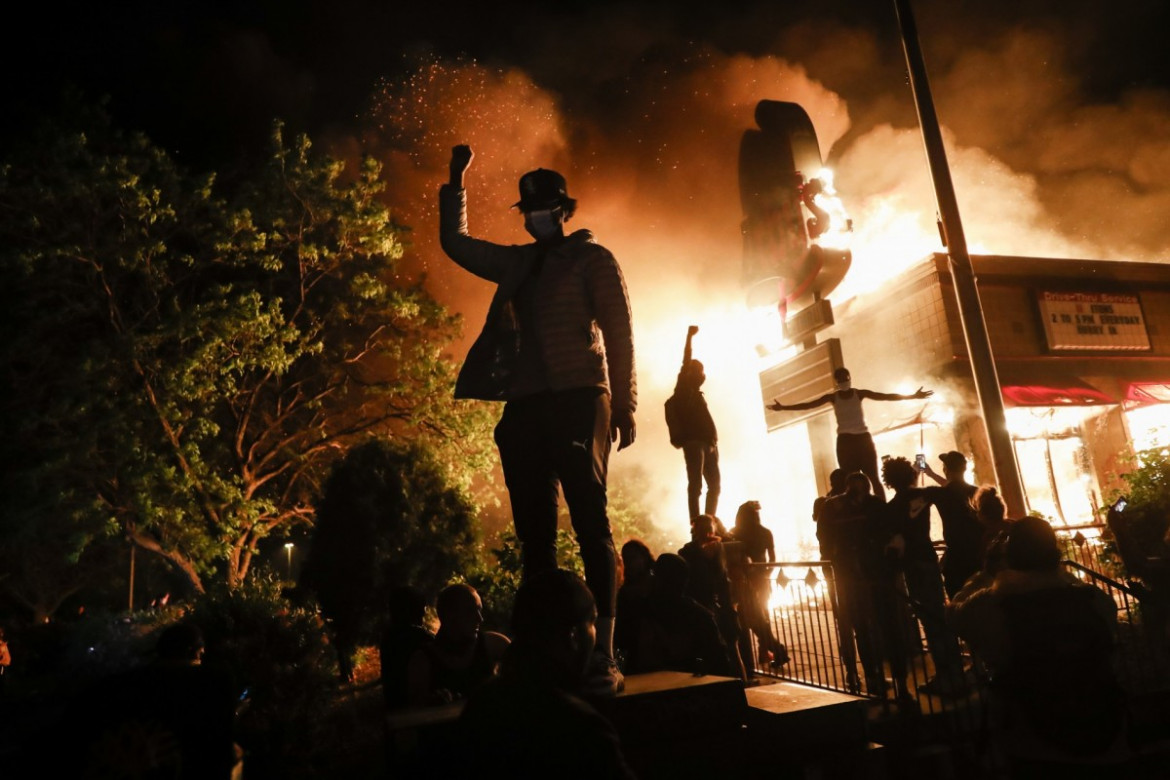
[961,529]
[692,429]
[757,546]
[1046,640]
[709,583]
[530,722]
[633,597]
[718,528]
[558,349]
[405,633]
[172,717]
[908,514]
[461,657]
[855,449]
[992,514]
[836,488]
[678,633]
[855,534]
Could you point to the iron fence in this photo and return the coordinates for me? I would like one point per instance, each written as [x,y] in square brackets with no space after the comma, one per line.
[804,611]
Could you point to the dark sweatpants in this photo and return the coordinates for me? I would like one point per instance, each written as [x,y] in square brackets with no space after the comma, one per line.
[855,452]
[561,438]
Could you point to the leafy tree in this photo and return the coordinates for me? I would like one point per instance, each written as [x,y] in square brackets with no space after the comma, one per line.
[390,515]
[277,652]
[184,360]
[1142,530]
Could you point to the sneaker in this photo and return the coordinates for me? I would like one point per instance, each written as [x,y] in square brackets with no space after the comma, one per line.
[603,677]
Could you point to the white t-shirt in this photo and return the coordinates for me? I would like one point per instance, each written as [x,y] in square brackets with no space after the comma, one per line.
[849,416]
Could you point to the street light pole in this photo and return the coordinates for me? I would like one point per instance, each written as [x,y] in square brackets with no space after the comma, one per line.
[288,548]
[1003,455]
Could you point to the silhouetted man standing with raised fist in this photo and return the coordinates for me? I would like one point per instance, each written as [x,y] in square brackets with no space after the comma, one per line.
[558,348]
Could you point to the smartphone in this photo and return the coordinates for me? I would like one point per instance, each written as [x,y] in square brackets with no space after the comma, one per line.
[1120,504]
[920,462]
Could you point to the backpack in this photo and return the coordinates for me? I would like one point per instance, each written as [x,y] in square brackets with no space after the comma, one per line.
[674,423]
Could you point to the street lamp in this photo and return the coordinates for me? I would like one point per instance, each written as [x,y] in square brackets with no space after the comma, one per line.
[288,548]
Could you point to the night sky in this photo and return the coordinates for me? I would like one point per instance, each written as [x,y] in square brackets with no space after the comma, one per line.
[205,79]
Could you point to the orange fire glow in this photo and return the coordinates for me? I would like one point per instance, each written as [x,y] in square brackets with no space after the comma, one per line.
[656,181]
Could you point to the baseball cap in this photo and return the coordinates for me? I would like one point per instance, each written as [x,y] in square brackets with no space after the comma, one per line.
[954,460]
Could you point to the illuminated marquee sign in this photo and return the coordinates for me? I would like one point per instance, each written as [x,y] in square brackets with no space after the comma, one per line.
[1093,321]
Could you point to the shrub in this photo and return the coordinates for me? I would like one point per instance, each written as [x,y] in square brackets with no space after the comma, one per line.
[280,655]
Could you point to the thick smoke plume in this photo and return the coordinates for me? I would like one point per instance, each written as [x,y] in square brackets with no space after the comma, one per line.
[648,140]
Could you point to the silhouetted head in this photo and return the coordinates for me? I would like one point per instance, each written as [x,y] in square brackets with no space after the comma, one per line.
[989,505]
[898,473]
[637,559]
[460,612]
[554,626]
[702,527]
[671,574]
[857,484]
[842,378]
[546,204]
[748,515]
[1031,545]
[837,481]
[954,465]
[693,374]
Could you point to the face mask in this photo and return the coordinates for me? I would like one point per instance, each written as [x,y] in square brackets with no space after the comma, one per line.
[544,224]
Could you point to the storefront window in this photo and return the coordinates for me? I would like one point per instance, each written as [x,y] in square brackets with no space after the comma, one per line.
[1058,477]
[1149,426]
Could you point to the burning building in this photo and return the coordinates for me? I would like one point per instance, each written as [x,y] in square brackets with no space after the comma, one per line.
[1081,348]
[1082,351]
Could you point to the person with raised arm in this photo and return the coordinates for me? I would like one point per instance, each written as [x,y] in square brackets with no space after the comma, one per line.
[692,429]
[855,449]
[558,349]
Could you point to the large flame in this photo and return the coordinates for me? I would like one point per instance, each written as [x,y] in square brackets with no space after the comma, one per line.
[656,181]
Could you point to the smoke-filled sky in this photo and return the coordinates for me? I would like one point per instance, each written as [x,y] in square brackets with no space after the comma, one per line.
[1056,112]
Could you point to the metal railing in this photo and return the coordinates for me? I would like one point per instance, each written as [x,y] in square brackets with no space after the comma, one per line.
[804,616]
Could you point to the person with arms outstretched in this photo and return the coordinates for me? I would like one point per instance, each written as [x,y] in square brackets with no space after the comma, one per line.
[691,429]
[558,349]
[855,450]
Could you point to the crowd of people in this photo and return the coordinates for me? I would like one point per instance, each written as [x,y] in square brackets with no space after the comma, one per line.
[557,349]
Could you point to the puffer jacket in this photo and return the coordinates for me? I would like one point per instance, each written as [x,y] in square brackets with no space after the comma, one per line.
[582,312]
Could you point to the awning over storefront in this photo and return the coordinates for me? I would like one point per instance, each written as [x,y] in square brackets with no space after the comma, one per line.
[1148,392]
[1048,388]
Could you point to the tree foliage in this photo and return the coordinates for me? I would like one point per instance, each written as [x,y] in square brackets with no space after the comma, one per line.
[390,515]
[1142,530]
[279,654]
[184,359]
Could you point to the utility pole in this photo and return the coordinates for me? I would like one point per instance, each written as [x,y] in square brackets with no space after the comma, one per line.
[1003,454]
